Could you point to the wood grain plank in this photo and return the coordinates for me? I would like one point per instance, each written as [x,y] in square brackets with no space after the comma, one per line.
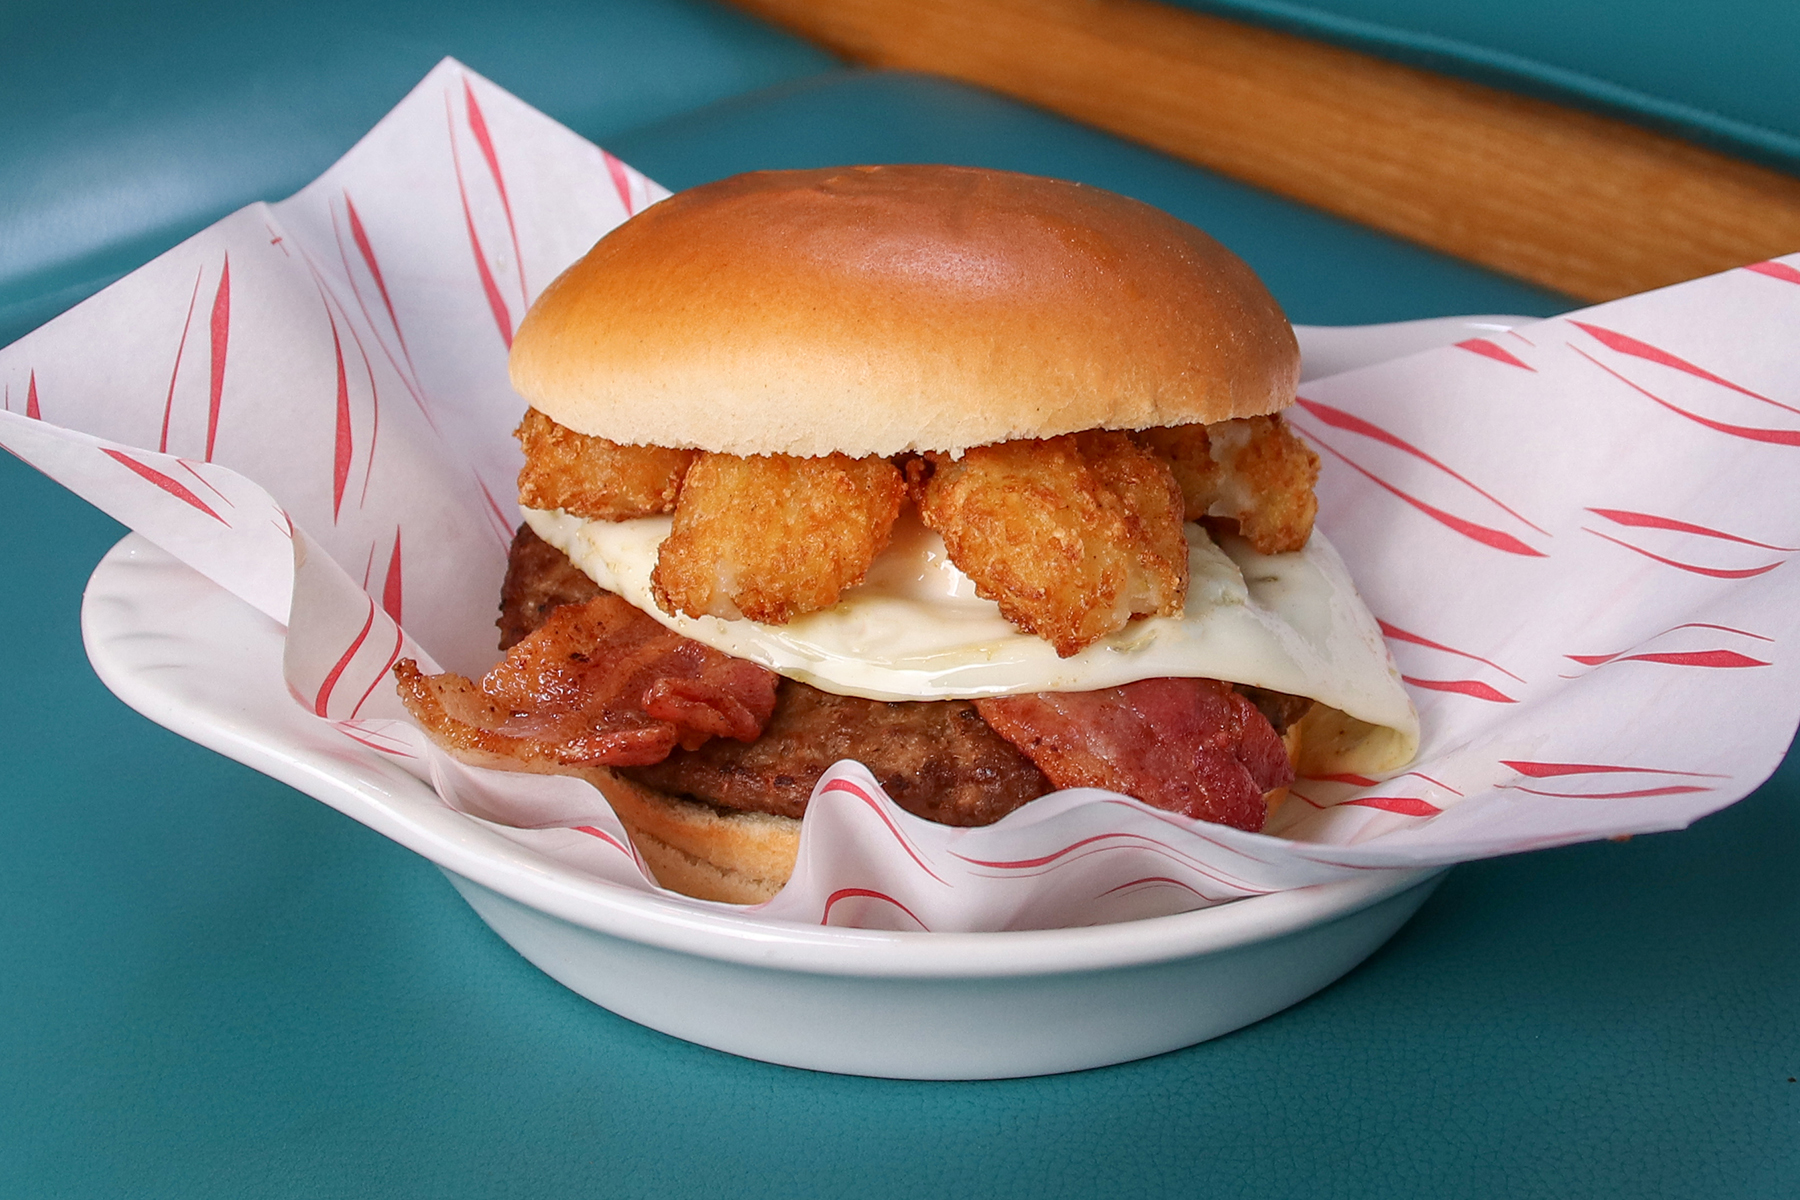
[1585,204]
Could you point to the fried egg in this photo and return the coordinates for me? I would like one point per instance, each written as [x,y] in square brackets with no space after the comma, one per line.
[914,629]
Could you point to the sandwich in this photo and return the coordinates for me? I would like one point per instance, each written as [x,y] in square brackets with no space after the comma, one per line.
[977,478]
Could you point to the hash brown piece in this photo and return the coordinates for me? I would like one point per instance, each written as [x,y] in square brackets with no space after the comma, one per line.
[595,478]
[1071,536]
[771,536]
[1251,475]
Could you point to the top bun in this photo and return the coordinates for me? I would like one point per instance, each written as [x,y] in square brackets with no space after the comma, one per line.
[872,310]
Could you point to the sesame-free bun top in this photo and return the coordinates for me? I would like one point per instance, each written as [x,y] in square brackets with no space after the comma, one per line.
[871,310]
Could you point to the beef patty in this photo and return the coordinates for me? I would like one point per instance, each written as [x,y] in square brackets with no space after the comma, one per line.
[539,577]
[937,759]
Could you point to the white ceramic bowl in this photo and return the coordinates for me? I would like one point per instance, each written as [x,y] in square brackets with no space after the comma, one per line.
[191,657]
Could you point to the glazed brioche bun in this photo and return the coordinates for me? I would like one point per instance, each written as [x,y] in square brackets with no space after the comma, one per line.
[875,310]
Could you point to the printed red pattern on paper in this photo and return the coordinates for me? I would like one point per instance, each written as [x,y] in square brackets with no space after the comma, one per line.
[1620,516]
[1749,433]
[343,446]
[1691,568]
[1545,770]
[1682,658]
[606,837]
[219,328]
[1493,538]
[1494,351]
[172,486]
[1156,879]
[1775,270]
[322,699]
[1337,418]
[1625,344]
[162,443]
[479,127]
[844,785]
[867,894]
[1406,806]
[621,178]
[390,588]
[490,289]
[1672,790]
[1400,635]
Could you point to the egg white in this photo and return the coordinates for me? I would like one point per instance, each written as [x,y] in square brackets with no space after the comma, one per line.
[914,629]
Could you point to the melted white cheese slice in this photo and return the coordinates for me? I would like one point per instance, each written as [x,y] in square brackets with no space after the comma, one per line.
[914,629]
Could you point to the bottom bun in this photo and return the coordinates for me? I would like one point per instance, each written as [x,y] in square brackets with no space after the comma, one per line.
[701,851]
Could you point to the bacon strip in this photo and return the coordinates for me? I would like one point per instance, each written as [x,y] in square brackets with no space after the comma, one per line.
[1191,746]
[598,684]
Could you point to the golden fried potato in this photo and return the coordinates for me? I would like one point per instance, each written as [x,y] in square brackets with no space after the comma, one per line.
[1188,451]
[592,477]
[1279,471]
[1253,471]
[770,537]
[1153,512]
[1072,536]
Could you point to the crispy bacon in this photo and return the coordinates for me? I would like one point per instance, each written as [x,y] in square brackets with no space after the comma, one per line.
[598,684]
[1191,746]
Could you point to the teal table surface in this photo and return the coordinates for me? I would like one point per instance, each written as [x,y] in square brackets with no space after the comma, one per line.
[129,126]
[213,986]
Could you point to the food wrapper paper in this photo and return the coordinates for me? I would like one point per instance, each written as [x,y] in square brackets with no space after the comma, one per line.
[1576,535]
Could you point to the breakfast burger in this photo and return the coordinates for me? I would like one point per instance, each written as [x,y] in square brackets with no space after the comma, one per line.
[977,478]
